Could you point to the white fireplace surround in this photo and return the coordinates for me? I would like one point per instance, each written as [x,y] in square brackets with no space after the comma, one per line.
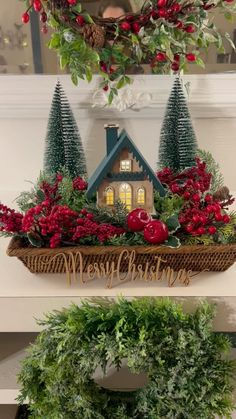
[211,96]
[25,103]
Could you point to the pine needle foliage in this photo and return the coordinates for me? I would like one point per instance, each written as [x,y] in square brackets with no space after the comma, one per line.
[178,144]
[217,180]
[187,364]
[116,216]
[63,142]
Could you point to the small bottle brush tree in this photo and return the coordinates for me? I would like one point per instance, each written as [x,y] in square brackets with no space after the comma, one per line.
[178,144]
[64,147]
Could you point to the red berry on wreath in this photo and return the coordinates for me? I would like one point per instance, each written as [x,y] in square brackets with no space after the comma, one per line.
[136,27]
[155,14]
[189,28]
[179,24]
[43,17]
[137,219]
[103,67]
[175,8]
[175,66]
[160,57]
[37,5]
[25,17]
[72,2]
[177,58]
[125,26]
[80,20]
[163,13]
[212,230]
[191,57]
[156,232]
[161,3]
[90,216]
[208,6]
[226,219]
[130,18]
[44,29]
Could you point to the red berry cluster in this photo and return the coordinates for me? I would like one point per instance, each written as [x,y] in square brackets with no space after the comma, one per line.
[79,184]
[203,218]
[201,213]
[190,183]
[54,223]
[87,227]
[38,7]
[57,224]
[10,220]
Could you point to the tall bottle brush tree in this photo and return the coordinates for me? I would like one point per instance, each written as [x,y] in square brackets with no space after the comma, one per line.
[178,144]
[64,147]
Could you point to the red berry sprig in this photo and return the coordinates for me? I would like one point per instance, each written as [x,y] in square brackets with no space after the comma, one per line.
[201,212]
[10,220]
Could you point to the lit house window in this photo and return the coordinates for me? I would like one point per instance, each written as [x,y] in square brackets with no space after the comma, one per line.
[125,166]
[141,196]
[109,196]
[125,195]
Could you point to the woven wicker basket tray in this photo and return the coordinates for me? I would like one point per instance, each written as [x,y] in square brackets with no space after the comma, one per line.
[195,258]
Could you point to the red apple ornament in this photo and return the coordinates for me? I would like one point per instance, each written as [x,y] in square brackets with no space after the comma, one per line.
[156,232]
[138,219]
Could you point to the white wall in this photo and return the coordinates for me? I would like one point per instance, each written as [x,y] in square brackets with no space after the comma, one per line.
[25,103]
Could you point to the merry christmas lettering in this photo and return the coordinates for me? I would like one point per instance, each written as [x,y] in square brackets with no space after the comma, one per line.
[113,271]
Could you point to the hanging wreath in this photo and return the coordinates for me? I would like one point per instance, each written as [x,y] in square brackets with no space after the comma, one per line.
[166,34]
[188,377]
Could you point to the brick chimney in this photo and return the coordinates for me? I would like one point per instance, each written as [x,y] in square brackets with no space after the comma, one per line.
[111,136]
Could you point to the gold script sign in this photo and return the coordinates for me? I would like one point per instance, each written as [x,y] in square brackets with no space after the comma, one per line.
[111,271]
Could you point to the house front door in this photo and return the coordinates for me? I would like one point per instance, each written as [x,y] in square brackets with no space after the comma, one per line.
[125,195]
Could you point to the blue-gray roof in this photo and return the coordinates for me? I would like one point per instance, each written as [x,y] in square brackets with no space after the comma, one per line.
[124,141]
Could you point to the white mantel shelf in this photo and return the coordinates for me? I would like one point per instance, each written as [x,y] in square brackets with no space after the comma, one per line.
[29,96]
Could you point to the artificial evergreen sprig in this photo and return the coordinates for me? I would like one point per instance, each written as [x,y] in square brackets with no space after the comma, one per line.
[217,179]
[116,216]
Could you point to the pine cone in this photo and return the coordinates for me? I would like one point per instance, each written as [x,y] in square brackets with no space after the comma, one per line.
[222,194]
[94,35]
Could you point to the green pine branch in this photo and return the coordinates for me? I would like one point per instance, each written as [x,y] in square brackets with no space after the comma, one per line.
[116,216]
[213,167]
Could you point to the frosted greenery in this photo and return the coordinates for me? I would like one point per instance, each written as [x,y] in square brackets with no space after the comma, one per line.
[217,180]
[63,142]
[178,144]
[189,373]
